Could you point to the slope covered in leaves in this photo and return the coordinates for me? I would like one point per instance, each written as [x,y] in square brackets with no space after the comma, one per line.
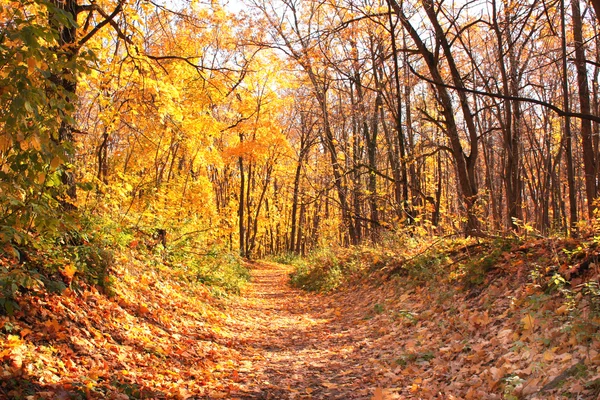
[155,337]
[507,331]
[483,323]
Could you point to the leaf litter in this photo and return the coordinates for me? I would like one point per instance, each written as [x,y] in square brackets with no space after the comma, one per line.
[159,338]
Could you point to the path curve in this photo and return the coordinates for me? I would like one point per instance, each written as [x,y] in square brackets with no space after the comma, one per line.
[292,344]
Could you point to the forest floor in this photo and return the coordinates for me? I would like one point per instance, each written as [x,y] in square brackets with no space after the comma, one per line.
[158,338]
[299,345]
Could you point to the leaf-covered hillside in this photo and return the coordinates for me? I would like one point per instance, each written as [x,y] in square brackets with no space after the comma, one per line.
[474,321]
[427,171]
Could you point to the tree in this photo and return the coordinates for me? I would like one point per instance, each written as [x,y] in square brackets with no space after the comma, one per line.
[587,145]
[465,164]
[297,43]
[34,109]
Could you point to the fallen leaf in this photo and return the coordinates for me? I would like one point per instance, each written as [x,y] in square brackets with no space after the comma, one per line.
[528,322]
[68,271]
[378,395]
[329,385]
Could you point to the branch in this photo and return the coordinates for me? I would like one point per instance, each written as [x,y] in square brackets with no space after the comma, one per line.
[239,121]
[188,60]
[552,107]
[380,224]
[595,64]
[191,233]
[108,19]
[375,171]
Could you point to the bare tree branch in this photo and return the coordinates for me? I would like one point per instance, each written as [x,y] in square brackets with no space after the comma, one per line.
[550,106]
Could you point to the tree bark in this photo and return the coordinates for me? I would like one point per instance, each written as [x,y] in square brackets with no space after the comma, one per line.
[67,81]
[241,208]
[589,158]
[465,164]
[567,129]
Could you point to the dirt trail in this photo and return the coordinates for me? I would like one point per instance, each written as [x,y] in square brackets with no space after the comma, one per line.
[158,337]
[297,345]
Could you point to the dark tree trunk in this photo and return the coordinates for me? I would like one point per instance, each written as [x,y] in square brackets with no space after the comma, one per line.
[464,164]
[567,137]
[241,207]
[589,159]
[67,81]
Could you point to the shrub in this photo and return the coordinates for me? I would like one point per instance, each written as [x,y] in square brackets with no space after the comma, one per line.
[324,270]
[219,269]
[287,258]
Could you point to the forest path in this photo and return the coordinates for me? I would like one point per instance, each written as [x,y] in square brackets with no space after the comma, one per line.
[160,336]
[294,344]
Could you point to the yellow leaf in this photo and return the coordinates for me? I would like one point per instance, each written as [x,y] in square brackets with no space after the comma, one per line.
[528,322]
[36,143]
[548,355]
[31,64]
[5,142]
[69,271]
[13,341]
[55,162]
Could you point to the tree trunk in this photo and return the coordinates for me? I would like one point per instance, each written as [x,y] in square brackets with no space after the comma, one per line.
[596,4]
[401,176]
[589,161]
[67,81]
[567,129]
[465,164]
[510,127]
[241,208]
[296,190]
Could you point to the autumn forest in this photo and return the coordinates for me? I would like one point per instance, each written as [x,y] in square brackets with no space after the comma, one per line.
[192,172]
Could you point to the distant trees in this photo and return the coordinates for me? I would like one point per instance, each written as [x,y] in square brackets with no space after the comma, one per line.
[301,123]
[475,84]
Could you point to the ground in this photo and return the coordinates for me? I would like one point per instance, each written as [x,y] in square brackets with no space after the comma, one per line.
[158,339]
[296,345]
[158,336]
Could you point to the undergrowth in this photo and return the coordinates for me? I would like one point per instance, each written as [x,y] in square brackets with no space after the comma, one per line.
[463,260]
[544,268]
[220,270]
[50,263]
[327,269]
[85,253]
[320,271]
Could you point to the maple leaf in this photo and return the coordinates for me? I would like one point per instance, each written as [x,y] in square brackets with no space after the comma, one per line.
[528,322]
[378,395]
[68,271]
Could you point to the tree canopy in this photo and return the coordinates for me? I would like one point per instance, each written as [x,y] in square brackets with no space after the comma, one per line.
[150,150]
[289,124]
